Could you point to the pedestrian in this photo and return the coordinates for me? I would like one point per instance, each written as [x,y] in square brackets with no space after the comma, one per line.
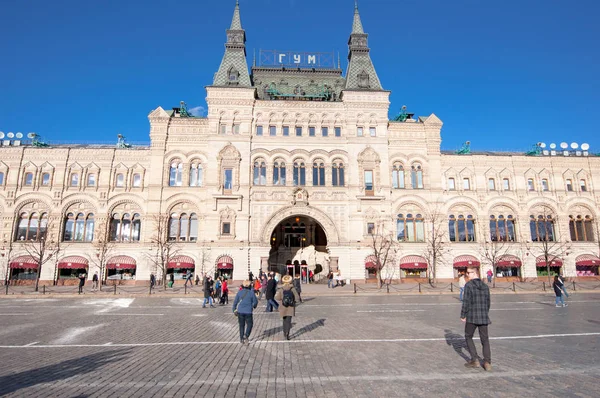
[171,279]
[256,287]
[263,286]
[288,296]
[330,280]
[564,285]
[197,281]
[218,287]
[475,313]
[245,302]
[311,276]
[81,282]
[558,290]
[208,292]
[188,278]
[251,276]
[489,274]
[298,285]
[152,281]
[270,294]
[461,284]
[224,292]
[95,281]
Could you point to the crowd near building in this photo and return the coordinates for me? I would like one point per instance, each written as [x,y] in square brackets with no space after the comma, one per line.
[296,165]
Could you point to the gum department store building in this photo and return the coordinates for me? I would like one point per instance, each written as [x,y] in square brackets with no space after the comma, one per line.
[292,165]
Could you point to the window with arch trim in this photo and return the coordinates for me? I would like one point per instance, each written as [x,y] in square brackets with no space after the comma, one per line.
[28,180]
[260,172]
[74,179]
[91,180]
[183,227]
[318,173]
[397,176]
[337,174]
[120,180]
[583,185]
[461,228]
[541,228]
[491,184]
[31,227]
[176,174]
[279,173]
[136,180]
[416,176]
[545,185]
[530,184]
[506,184]
[502,229]
[299,174]
[196,174]
[410,228]
[125,227]
[78,227]
[451,184]
[45,179]
[581,228]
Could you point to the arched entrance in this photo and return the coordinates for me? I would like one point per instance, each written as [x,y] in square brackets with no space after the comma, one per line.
[298,243]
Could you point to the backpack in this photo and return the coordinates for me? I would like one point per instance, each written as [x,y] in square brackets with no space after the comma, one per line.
[288,298]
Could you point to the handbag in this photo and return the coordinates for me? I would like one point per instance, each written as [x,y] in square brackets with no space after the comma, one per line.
[235,311]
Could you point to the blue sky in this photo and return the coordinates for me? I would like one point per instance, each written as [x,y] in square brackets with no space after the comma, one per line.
[503,75]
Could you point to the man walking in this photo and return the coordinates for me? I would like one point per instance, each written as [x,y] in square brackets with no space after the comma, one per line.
[95,281]
[207,285]
[475,312]
[270,294]
[188,278]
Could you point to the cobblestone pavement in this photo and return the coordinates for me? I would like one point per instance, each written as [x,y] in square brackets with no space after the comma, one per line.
[376,346]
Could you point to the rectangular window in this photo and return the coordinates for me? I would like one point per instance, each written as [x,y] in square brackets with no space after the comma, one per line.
[311,131]
[226,229]
[91,180]
[236,129]
[227,179]
[506,184]
[1,178]
[298,131]
[451,184]
[466,184]
[74,179]
[45,179]
[373,131]
[491,184]
[259,130]
[137,180]
[370,228]
[286,130]
[338,131]
[530,185]
[272,130]
[369,181]
[222,129]
[325,131]
[29,179]
[545,185]
[359,131]
[583,185]
[570,185]
[120,180]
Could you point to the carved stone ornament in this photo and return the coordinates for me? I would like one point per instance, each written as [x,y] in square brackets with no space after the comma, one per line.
[300,196]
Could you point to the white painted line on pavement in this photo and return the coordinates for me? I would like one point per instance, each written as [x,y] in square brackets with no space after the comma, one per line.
[31,344]
[16,314]
[115,314]
[394,311]
[73,333]
[297,341]
[514,309]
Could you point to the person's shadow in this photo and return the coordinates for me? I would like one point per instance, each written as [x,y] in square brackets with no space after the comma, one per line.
[457,342]
[308,328]
[272,331]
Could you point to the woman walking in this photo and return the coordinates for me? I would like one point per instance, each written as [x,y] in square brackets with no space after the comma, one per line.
[245,302]
[558,290]
[288,296]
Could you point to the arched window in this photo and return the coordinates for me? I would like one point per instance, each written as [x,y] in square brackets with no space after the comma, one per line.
[583,185]
[279,173]
[120,180]
[318,173]
[78,228]
[91,180]
[260,172]
[137,180]
[542,228]
[491,184]
[175,174]
[74,179]
[545,185]
[183,227]
[398,176]
[125,227]
[581,228]
[196,174]
[299,173]
[451,184]
[530,184]
[416,176]
[506,184]
[410,228]
[46,179]
[502,229]
[337,174]
[31,227]
[28,179]
[461,229]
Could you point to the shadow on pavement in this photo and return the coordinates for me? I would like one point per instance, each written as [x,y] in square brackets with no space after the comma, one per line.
[59,371]
[593,321]
[308,328]
[271,332]
[457,342]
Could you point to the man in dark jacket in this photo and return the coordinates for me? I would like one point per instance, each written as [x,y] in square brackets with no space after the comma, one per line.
[475,312]
[298,286]
[270,294]
[245,302]
[208,292]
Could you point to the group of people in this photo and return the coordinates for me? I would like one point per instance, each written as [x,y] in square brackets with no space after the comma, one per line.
[215,290]
[283,298]
[335,277]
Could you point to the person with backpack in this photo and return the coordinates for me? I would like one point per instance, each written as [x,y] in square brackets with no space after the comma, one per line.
[288,296]
[245,302]
[558,291]
[298,285]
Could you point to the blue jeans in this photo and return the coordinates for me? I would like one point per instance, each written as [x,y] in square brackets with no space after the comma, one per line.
[462,289]
[564,289]
[272,304]
[208,300]
[329,283]
[560,299]
[247,321]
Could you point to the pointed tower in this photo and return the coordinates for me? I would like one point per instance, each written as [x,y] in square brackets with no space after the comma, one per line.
[361,73]
[234,70]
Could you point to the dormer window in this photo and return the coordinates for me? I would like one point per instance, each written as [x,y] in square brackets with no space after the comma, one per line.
[233,76]
[363,80]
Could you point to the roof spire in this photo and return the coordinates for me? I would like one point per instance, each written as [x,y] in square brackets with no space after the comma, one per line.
[236,22]
[356,24]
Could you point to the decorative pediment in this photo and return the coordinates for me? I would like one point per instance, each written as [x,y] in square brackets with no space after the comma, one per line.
[368,155]
[300,196]
[433,120]
[158,113]
[229,152]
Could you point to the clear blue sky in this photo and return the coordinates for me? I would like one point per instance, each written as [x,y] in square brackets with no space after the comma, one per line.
[502,74]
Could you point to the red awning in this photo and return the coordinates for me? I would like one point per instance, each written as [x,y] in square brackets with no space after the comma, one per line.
[554,262]
[73,262]
[225,262]
[587,260]
[24,262]
[466,261]
[181,262]
[121,262]
[413,262]
[508,261]
[371,262]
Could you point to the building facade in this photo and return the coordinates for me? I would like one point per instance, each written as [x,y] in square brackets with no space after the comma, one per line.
[293,165]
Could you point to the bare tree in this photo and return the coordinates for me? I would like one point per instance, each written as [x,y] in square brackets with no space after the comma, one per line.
[544,241]
[41,250]
[164,248]
[435,242]
[205,261]
[385,248]
[492,251]
[104,248]
[7,246]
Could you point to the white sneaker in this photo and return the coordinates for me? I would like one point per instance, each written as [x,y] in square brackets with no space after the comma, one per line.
[558,305]
[565,305]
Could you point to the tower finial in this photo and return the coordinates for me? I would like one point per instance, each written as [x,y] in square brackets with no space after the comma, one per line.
[236,22]
[357,24]
[356,4]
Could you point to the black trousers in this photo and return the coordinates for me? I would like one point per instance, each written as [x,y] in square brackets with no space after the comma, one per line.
[485,341]
[287,325]
[246,322]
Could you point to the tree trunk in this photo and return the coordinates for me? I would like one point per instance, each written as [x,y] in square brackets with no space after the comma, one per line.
[495,272]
